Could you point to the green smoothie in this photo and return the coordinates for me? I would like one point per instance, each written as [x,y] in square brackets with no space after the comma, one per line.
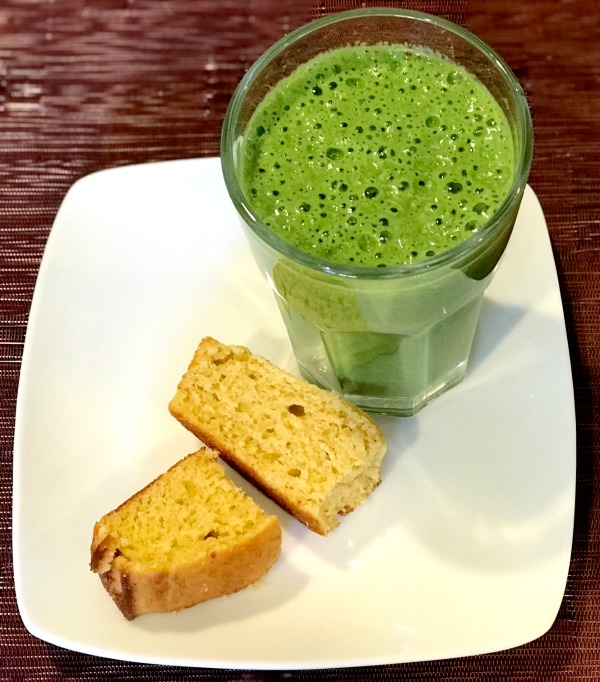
[377,160]
[376,156]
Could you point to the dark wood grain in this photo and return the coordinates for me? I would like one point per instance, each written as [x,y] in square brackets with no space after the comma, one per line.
[86,85]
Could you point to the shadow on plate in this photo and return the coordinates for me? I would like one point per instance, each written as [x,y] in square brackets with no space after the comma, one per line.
[490,482]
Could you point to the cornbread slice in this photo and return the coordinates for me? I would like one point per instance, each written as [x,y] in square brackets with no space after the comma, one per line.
[188,536]
[311,451]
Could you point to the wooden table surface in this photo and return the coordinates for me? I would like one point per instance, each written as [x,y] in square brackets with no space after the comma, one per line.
[93,84]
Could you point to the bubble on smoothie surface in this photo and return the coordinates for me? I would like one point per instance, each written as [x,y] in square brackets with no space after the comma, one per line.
[376,156]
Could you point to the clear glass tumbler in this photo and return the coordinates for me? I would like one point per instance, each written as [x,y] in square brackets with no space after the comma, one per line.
[388,339]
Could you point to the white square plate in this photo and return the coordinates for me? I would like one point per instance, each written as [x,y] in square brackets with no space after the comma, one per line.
[463,549]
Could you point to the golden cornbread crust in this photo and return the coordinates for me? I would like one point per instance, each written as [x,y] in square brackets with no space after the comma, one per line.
[311,451]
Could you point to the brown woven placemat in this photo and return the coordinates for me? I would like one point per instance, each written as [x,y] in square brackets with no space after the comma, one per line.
[91,85]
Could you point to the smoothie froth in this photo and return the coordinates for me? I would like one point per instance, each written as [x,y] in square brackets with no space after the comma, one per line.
[377,156]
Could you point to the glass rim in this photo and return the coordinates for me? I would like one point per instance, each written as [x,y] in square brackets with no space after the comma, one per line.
[449,256]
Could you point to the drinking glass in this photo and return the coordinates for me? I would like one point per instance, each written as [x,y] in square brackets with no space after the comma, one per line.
[387,339]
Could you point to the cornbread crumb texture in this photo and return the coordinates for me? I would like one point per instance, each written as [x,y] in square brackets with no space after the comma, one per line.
[313,452]
[188,536]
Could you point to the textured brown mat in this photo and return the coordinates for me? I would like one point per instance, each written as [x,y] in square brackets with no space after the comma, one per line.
[91,85]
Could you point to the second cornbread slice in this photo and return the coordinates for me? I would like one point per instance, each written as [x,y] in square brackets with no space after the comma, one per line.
[314,453]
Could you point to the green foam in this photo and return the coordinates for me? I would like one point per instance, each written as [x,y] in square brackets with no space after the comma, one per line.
[377,155]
